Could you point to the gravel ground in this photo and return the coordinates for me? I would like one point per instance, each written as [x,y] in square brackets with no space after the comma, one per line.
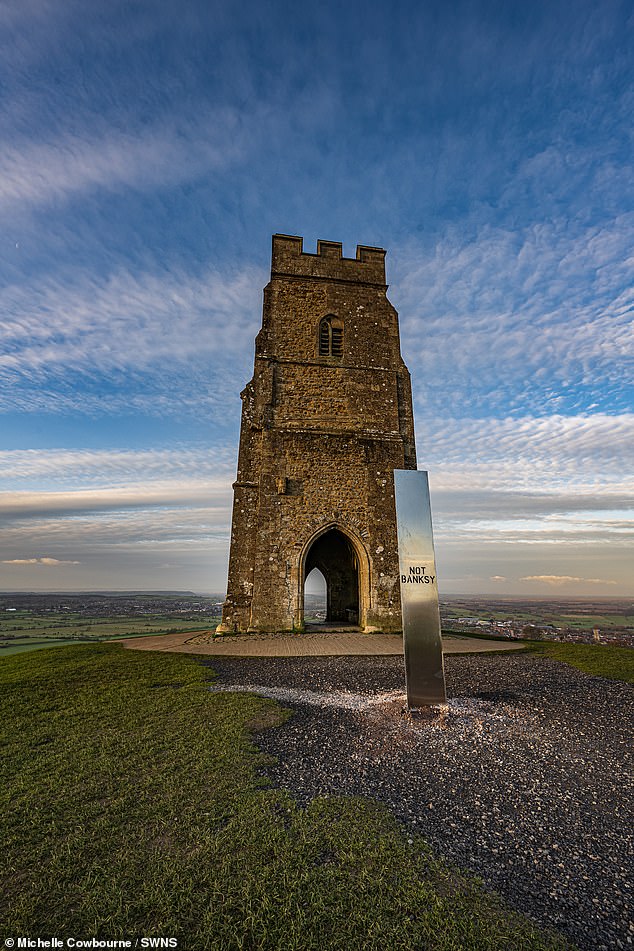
[522,779]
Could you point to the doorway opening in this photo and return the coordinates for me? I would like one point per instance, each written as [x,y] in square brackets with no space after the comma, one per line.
[315,598]
[333,555]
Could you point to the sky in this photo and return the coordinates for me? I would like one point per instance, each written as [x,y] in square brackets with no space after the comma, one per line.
[148,151]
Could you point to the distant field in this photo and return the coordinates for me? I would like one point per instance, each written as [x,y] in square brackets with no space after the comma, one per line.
[584,621]
[28,631]
[34,621]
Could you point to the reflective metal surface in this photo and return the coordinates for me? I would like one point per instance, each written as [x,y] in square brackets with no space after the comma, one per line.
[424,672]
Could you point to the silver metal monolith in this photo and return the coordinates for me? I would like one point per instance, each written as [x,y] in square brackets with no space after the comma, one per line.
[424,672]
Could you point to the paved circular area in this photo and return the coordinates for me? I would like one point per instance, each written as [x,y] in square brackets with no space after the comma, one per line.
[334,644]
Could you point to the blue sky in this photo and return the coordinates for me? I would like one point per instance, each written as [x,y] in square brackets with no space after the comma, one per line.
[148,151]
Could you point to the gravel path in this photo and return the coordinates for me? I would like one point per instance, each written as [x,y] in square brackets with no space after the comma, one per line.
[523,780]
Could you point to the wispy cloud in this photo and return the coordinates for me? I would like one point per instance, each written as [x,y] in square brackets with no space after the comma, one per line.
[97,515]
[154,548]
[512,497]
[558,580]
[128,319]
[592,453]
[203,395]
[88,534]
[46,562]
[48,467]
[516,317]
[40,173]
[172,335]
[100,500]
[160,517]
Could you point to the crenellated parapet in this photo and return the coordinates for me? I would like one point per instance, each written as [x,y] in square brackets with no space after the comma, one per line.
[290,260]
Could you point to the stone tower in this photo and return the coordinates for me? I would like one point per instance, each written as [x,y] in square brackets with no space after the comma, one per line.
[326,419]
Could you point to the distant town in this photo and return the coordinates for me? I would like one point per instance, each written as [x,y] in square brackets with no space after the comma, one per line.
[34,620]
[107,603]
[582,620]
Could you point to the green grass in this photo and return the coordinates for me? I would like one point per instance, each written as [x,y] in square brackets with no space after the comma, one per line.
[133,804]
[476,635]
[586,622]
[601,660]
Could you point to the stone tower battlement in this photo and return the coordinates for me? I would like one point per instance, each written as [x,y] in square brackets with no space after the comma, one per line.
[326,418]
[289,258]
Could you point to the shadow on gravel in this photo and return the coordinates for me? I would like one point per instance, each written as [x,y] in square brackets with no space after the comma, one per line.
[497,695]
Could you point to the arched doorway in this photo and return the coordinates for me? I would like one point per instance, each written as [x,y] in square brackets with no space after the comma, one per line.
[334,555]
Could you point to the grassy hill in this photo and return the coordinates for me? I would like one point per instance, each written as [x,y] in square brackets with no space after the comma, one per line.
[133,803]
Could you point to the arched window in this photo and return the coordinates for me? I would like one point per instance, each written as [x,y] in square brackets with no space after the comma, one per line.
[331,337]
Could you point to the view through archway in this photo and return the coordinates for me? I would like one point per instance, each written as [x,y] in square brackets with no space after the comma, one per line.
[333,555]
[315,598]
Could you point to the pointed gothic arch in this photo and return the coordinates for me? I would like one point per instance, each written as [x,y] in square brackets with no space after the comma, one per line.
[341,557]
